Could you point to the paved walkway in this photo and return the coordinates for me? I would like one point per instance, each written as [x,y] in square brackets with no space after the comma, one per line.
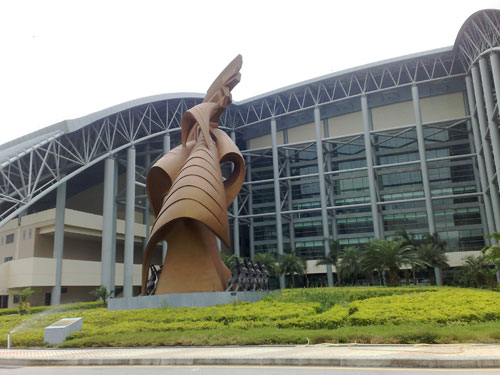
[423,356]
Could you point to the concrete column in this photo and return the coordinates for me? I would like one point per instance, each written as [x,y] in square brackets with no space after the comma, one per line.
[369,164]
[495,69]
[322,191]
[439,278]
[483,177]
[250,207]
[331,192]
[55,298]
[236,220]
[291,228]
[423,160]
[488,160]
[113,232]
[277,195]
[166,149]
[107,222]
[147,220]
[493,126]
[128,263]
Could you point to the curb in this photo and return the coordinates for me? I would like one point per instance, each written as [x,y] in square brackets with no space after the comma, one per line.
[484,362]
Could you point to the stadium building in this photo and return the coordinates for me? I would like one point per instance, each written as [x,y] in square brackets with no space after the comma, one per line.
[412,142]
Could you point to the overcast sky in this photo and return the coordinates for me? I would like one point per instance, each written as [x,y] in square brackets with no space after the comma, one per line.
[65,59]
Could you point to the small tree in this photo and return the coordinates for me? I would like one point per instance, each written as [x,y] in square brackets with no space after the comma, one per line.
[388,256]
[433,258]
[477,272]
[24,306]
[349,267]
[290,265]
[229,261]
[492,253]
[102,293]
[332,258]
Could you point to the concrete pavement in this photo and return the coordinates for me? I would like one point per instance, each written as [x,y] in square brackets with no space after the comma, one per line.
[409,356]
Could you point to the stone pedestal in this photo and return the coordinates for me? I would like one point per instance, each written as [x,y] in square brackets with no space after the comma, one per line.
[57,332]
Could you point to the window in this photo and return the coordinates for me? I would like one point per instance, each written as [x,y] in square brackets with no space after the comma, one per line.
[9,238]
[7,259]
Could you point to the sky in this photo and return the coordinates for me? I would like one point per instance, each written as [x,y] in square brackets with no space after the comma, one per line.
[65,59]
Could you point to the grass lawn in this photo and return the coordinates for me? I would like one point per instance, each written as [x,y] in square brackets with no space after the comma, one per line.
[299,316]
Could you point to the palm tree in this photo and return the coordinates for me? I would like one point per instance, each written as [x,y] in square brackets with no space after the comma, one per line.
[268,260]
[332,257]
[388,256]
[492,253]
[291,264]
[349,266]
[229,261]
[432,256]
[477,272]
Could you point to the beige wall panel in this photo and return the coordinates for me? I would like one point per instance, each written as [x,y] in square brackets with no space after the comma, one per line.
[456,258]
[4,278]
[352,123]
[265,140]
[313,268]
[306,132]
[32,272]
[89,200]
[78,294]
[82,249]
[81,273]
[136,274]
[393,115]
[8,250]
[442,107]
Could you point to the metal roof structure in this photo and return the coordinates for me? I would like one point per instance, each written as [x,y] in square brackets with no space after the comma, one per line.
[34,165]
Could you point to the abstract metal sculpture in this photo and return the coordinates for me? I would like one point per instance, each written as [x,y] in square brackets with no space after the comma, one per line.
[189,197]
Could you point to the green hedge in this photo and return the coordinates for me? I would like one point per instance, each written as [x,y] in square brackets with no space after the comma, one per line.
[306,310]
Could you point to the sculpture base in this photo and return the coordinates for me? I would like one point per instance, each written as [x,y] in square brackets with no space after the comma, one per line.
[193,262]
[185,300]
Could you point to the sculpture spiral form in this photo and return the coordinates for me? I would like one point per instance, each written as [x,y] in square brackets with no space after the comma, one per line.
[189,197]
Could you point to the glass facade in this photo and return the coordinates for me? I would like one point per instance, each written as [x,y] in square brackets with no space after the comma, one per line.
[399,186]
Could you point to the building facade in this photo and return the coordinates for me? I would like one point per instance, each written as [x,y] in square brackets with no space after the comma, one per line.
[409,143]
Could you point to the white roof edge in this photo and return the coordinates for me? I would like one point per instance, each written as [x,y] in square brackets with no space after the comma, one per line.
[68,126]
[347,71]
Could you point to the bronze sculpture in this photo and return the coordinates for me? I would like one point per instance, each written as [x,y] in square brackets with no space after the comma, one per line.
[189,197]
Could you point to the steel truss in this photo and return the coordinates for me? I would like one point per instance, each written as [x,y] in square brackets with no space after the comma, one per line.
[27,177]
[338,87]
[479,34]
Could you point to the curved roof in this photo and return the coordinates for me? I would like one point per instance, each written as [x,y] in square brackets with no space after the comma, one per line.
[35,164]
[478,34]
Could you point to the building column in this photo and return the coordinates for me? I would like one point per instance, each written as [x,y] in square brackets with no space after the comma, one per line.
[291,228]
[236,211]
[322,192]
[128,263]
[55,298]
[367,126]
[423,160]
[250,207]
[113,231]
[166,149]
[495,69]
[488,99]
[277,195]
[107,222]
[488,161]
[331,192]
[490,221]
